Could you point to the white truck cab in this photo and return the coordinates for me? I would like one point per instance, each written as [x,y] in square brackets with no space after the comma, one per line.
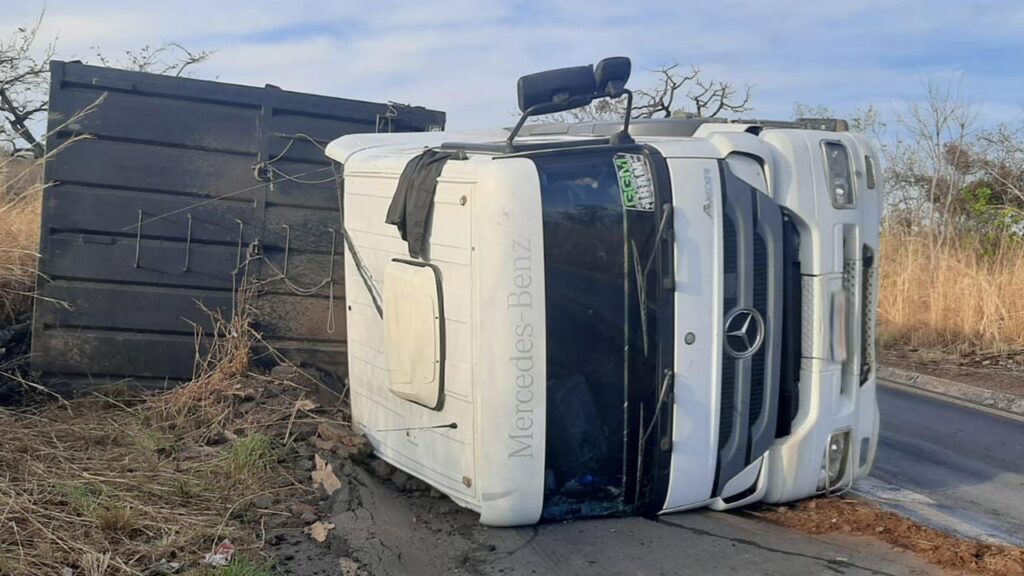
[580,320]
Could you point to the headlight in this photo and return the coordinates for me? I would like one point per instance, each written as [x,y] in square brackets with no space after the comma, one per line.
[833,466]
[838,448]
[839,174]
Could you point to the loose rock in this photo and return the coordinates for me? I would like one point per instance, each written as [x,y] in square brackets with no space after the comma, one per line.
[382,469]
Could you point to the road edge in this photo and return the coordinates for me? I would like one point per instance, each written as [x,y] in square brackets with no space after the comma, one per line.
[1001,401]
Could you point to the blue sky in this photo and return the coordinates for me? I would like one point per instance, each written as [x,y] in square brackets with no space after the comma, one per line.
[464,56]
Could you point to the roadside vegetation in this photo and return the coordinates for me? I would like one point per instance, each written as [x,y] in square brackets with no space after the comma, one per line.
[953,233]
[20,204]
[960,298]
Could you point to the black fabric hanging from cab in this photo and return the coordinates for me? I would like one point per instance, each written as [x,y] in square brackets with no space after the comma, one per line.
[414,197]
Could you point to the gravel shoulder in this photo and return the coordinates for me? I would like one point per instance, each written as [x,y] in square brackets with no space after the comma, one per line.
[1001,373]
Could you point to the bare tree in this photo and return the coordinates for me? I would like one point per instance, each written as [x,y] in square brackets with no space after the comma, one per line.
[938,132]
[947,177]
[168,58]
[23,84]
[690,93]
[25,72]
[674,93]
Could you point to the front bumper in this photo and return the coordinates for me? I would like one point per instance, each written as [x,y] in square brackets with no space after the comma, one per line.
[795,462]
[837,387]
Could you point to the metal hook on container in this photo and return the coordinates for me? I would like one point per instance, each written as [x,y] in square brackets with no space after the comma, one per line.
[138,239]
[391,113]
[188,244]
[287,245]
[330,284]
[238,257]
[334,244]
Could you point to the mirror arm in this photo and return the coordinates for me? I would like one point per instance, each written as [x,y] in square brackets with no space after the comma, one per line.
[622,136]
[509,148]
[629,110]
[535,110]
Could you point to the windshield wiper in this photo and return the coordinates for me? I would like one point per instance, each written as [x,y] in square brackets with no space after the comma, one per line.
[641,273]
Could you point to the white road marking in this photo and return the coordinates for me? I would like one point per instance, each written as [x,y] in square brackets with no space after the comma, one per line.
[924,509]
[880,490]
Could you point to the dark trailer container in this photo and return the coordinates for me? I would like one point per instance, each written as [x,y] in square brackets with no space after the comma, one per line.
[173,186]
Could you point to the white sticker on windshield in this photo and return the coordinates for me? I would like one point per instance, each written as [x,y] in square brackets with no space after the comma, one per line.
[635,183]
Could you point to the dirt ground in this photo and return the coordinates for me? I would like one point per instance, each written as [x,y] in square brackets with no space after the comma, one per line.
[855,516]
[1000,372]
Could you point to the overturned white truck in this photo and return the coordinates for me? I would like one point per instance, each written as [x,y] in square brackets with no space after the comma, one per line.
[614,318]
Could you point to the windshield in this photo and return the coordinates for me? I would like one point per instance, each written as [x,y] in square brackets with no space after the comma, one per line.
[601,218]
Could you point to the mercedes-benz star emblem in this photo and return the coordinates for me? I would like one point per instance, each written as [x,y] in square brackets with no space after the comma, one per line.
[744,332]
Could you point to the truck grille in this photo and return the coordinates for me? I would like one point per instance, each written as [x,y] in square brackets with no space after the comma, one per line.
[868,307]
[757,365]
[753,263]
[730,267]
[792,324]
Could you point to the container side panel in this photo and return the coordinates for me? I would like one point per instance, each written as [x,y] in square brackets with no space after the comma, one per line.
[181,186]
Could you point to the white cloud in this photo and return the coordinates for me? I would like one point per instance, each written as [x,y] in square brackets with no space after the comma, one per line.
[464,56]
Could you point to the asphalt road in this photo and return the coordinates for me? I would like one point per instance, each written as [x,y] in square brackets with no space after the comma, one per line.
[391,533]
[957,467]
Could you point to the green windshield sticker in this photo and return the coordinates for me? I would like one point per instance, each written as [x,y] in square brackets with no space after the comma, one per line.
[635,182]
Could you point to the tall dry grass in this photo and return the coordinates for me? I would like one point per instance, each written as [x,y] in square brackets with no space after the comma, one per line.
[20,206]
[961,296]
[130,481]
[21,186]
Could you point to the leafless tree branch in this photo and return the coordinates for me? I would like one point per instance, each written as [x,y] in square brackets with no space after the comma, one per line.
[675,92]
[25,72]
[169,58]
[23,82]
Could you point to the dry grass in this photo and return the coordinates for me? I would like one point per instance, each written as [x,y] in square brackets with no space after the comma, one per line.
[78,484]
[114,485]
[99,479]
[962,297]
[21,187]
[20,205]
[221,378]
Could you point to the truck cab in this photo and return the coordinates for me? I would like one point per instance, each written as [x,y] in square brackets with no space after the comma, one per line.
[614,317]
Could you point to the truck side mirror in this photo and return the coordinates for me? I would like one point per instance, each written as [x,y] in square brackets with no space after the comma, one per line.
[556,90]
[568,88]
[611,75]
